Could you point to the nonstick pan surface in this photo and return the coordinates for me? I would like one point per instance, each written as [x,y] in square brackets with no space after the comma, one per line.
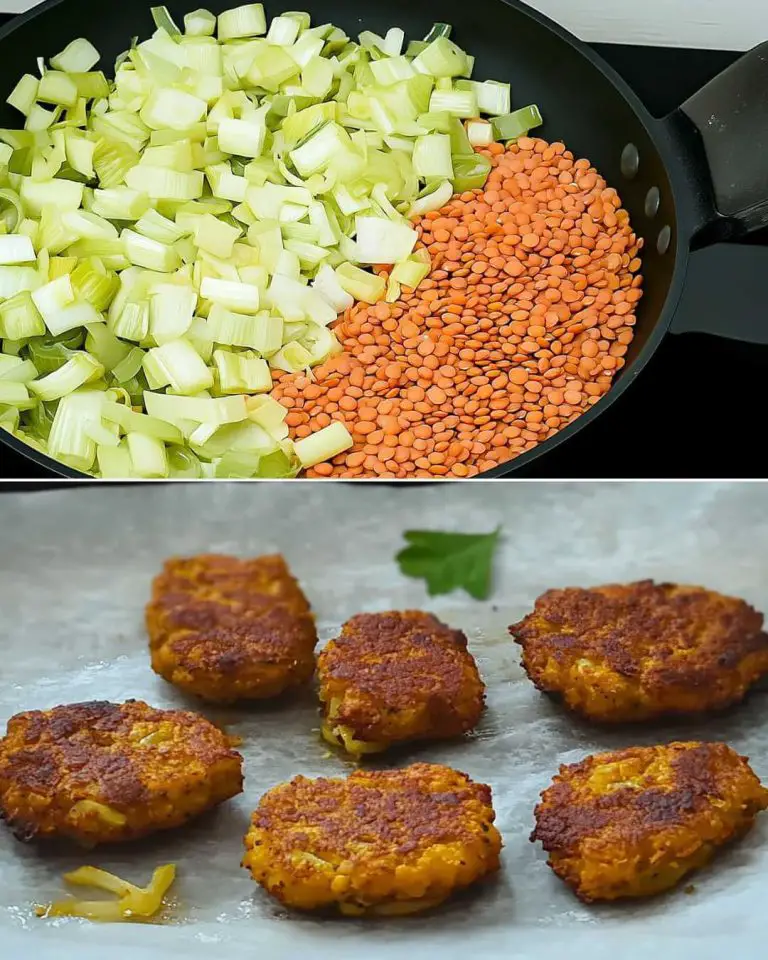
[694,177]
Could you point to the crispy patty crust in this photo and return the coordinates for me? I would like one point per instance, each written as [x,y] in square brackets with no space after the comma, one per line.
[631,652]
[101,772]
[226,629]
[378,842]
[394,677]
[634,822]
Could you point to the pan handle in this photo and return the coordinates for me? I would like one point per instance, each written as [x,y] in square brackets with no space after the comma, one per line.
[722,135]
[730,120]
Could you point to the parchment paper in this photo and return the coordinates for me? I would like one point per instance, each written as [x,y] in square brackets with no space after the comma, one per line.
[76,566]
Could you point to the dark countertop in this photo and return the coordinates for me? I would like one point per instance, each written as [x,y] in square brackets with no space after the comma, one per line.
[700,394]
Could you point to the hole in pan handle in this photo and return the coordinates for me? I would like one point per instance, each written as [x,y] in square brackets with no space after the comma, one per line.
[723,130]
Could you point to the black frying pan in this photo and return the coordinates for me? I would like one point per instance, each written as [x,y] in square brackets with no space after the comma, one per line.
[690,179]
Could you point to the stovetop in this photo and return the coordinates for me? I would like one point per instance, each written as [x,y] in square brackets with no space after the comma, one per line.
[694,411]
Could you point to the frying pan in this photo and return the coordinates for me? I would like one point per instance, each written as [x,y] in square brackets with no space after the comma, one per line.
[693,178]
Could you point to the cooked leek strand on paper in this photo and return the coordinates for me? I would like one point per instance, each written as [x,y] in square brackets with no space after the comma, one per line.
[131,903]
[172,238]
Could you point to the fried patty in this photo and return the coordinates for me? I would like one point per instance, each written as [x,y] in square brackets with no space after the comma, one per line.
[226,629]
[102,772]
[379,842]
[634,822]
[394,677]
[637,651]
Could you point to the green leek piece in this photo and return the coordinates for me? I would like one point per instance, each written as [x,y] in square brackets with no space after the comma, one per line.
[148,459]
[516,124]
[19,318]
[470,172]
[78,370]
[323,445]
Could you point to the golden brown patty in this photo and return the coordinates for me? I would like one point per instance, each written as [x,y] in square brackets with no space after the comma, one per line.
[228,629]
[392,677]
[387,842]
[641,650]
[634,822]
[100,772]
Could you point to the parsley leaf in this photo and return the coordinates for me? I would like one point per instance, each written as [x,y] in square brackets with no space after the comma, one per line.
[450,561]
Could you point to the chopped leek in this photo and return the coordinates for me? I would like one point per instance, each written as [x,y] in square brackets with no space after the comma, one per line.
[517,124]
[382,241]
[323,444]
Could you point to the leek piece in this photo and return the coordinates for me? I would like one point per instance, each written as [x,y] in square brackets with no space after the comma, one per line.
[292,357]
[242,372]
[53,297]
[326,283]
[129,366]
[88,226]
[130,421]
[262,332]
[91,282]
[283,31]
[245,21]
[68,440]
[57,88]
[432,201]
[91,85]
[79,153]
[16,250]
[112,161]
[438,30]
[458,103]
[119,203]
[148,459]
[516,124]
[383,241]
[161,184]
[11,211]
[267,413]
[63,194]
[14,280]
[19,318]
[492,97]
[145,252]
[102,344]
[157,227]
[215,236]
[323,444]
[77,314]
[79,56]
[200,409]
[178,364]
[360,284]
[199,23]
[441,58]
[241,137]
[114,463]
[225,184]
[16,370]
[182,464]
[277,466]
[24,94]
[171,108]
[470,172]
[13,393]
[164,21]
[78,370]
[479,133]
[241,297]
[296,301]
[171,309]
[432,156]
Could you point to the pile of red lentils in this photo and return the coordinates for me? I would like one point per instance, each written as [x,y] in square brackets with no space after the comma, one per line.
[520,327]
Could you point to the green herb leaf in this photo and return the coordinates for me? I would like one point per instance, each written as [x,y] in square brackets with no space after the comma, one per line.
[450,561]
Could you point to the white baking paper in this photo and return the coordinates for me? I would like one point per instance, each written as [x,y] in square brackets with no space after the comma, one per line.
[76,568]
